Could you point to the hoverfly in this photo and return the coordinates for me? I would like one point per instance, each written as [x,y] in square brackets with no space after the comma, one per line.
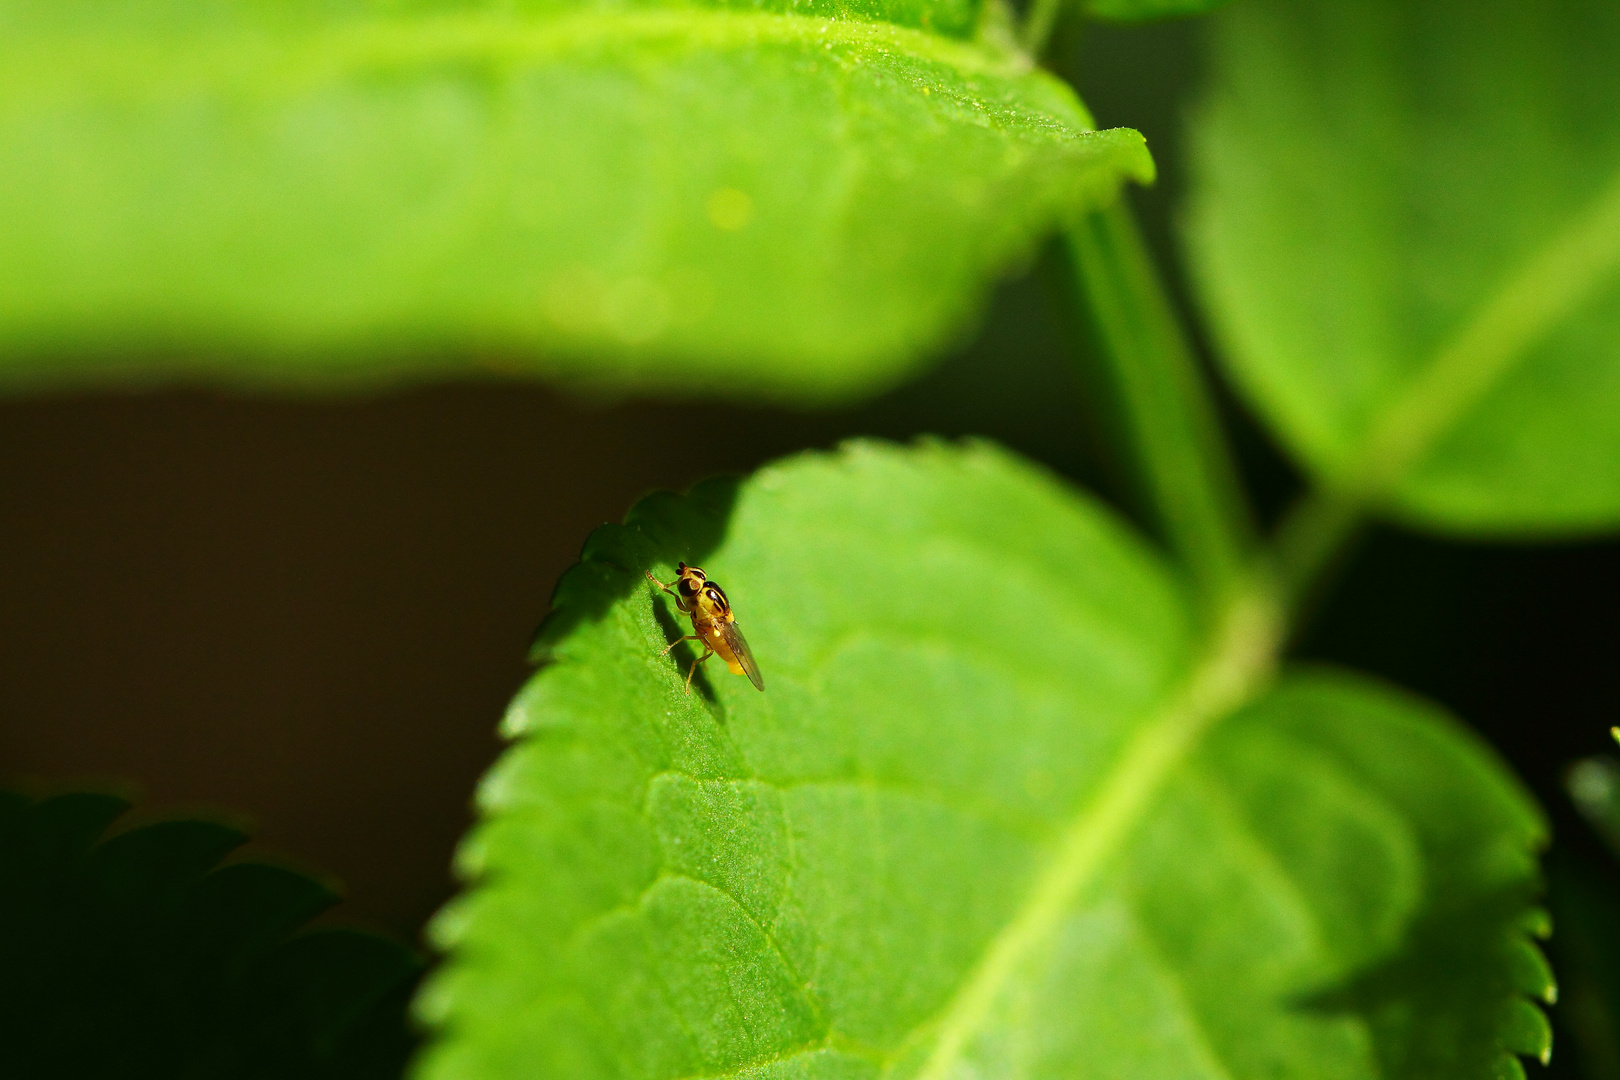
[713,623]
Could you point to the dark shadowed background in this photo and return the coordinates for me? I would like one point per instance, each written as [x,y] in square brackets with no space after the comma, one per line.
[311,612]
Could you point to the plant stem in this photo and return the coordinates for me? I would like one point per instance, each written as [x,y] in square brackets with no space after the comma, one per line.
[1183,460]
[1308,540]
[1038,25]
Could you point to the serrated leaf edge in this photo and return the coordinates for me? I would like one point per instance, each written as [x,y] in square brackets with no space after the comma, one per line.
[1236,667]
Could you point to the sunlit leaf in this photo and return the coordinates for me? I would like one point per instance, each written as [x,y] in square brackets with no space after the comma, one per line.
[989,818]
[784,200]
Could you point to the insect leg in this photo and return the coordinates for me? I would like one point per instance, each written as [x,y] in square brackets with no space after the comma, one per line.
[679,601]
[707,652]
[677,641]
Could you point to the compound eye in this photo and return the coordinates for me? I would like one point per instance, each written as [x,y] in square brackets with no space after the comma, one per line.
[688,586]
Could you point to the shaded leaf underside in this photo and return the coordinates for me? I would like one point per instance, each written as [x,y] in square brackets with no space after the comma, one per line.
[972,828]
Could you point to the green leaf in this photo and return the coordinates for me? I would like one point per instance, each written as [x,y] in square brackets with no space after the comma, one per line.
[139,956]
[1406,224]
[1137,10]
[783,200]
[981,823]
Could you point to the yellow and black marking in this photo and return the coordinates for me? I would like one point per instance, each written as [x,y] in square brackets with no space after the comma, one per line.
[712,623]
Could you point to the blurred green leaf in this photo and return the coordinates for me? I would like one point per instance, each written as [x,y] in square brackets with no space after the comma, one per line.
[1135,10]
[1594,787]
[788,200]
[978,825]
[1406,224]
[140,957]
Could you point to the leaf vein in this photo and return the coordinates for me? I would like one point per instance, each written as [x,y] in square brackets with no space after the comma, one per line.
[1237,663]
[1548,287]
[1267,869]
[1207,1053]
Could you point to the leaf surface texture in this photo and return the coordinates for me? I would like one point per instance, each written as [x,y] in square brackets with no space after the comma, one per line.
[990,818]
[780,200]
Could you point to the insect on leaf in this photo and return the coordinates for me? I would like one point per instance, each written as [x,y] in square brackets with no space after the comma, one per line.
[992,817]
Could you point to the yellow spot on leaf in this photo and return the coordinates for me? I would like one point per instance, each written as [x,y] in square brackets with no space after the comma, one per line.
[730,209]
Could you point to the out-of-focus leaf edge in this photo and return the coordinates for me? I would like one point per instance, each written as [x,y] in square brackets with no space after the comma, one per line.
[33,361]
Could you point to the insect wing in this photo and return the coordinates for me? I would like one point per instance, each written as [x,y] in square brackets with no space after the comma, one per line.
[745,656]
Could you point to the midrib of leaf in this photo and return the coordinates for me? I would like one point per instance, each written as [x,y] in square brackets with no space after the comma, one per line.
[293,62]
[1547,288]
[1237,663]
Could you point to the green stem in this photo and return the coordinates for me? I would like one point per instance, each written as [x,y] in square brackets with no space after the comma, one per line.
[1309,539]
[1043,15]
[1181,456]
